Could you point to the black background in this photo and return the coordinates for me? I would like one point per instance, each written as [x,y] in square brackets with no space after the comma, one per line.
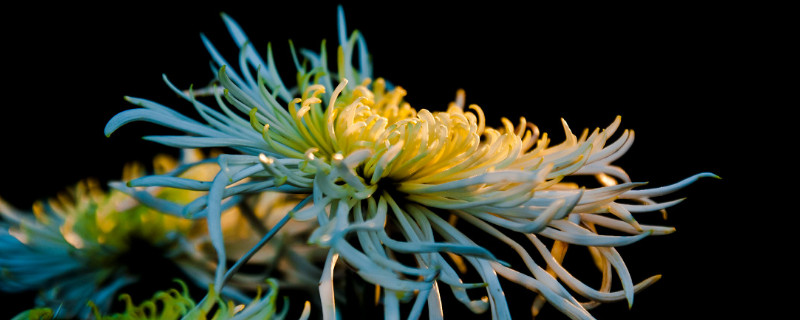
[690,80]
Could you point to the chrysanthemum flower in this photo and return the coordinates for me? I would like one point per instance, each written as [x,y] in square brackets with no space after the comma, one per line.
[78,246]
[173,304]
[384,180]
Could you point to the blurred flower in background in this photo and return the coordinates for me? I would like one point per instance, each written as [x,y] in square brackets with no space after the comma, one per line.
[173,304]
[87,244]
[74,247]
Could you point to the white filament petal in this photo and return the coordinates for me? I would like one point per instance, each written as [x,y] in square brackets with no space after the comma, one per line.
[660,191]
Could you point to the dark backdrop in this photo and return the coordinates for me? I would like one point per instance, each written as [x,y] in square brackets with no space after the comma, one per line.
[685,78]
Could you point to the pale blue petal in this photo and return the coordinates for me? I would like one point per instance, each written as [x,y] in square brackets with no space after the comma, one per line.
[170,182]
[149,200]
[156,117]
[589,239]
[364,60]
[204,142]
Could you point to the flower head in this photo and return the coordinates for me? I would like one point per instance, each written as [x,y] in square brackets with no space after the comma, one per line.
[78,246]
[383,179]
[173,304]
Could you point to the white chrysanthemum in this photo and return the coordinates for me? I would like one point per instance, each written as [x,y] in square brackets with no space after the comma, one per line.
[383,179]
